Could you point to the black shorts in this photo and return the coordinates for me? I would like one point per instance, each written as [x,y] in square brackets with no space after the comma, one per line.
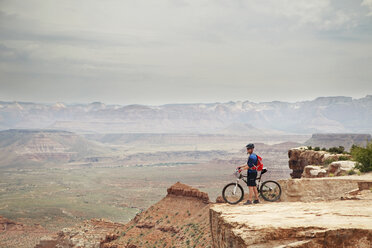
[251,178]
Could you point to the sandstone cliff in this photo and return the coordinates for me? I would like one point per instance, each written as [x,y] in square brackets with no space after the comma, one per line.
[323,222]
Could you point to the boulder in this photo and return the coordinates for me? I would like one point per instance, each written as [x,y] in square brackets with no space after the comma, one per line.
[220,199]
[301,157]
[312,171]
[339,168]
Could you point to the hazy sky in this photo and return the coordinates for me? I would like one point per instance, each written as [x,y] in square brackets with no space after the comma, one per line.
[154,52]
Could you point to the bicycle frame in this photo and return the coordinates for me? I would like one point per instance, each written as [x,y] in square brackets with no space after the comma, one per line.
[258,181]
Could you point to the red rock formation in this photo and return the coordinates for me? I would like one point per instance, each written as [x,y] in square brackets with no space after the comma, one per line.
[181,219]
[180,189]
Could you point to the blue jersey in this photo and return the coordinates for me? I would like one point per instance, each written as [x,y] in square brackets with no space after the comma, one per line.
[252,161]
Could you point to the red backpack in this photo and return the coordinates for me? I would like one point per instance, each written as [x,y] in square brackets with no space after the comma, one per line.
[259,165]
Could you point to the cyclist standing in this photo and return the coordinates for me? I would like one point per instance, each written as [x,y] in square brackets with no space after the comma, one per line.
[251,166]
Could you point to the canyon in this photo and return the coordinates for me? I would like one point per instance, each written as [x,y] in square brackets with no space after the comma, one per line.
[186,218]
[62,202]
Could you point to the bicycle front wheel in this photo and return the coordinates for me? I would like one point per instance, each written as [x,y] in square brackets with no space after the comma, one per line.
[270,191]
[233,193]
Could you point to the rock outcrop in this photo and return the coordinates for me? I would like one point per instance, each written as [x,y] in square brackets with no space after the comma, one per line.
[337,168]
[301,157]
[179,220]
[330,224]
[327,212]
[180,189]
[319,189]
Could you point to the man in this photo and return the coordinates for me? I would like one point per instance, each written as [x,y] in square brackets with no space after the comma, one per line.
[251,166]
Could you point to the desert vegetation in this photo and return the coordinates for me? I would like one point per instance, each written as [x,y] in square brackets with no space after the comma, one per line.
[363,156]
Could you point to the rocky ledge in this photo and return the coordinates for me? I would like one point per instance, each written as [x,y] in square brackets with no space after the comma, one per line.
[331,224]
[321,212]
[179,189]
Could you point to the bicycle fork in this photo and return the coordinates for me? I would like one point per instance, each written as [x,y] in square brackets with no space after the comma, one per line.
[236,186]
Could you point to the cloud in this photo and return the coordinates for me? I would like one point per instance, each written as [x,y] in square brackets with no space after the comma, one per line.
[368,4]
[221,47]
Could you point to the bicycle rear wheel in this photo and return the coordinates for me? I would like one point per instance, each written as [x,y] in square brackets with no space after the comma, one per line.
[233,193]
[270,191]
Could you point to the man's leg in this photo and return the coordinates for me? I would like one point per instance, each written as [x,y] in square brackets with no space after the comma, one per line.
[251,190]
[255,192]
[250,195]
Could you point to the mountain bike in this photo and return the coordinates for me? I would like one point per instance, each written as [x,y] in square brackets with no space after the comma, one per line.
[233,193]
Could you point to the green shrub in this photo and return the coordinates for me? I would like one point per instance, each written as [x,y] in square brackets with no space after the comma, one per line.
[324,149]
[331,174]
[317,148]
[309,148]
[363,157]
[351,172]
[339,149]
[342,158]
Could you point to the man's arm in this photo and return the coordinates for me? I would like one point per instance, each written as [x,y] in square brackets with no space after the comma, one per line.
[243,167]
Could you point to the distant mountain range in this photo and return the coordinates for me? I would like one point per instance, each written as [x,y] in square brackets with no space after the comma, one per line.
[324,114]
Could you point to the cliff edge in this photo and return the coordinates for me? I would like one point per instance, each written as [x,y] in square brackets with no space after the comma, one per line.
[331,217]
